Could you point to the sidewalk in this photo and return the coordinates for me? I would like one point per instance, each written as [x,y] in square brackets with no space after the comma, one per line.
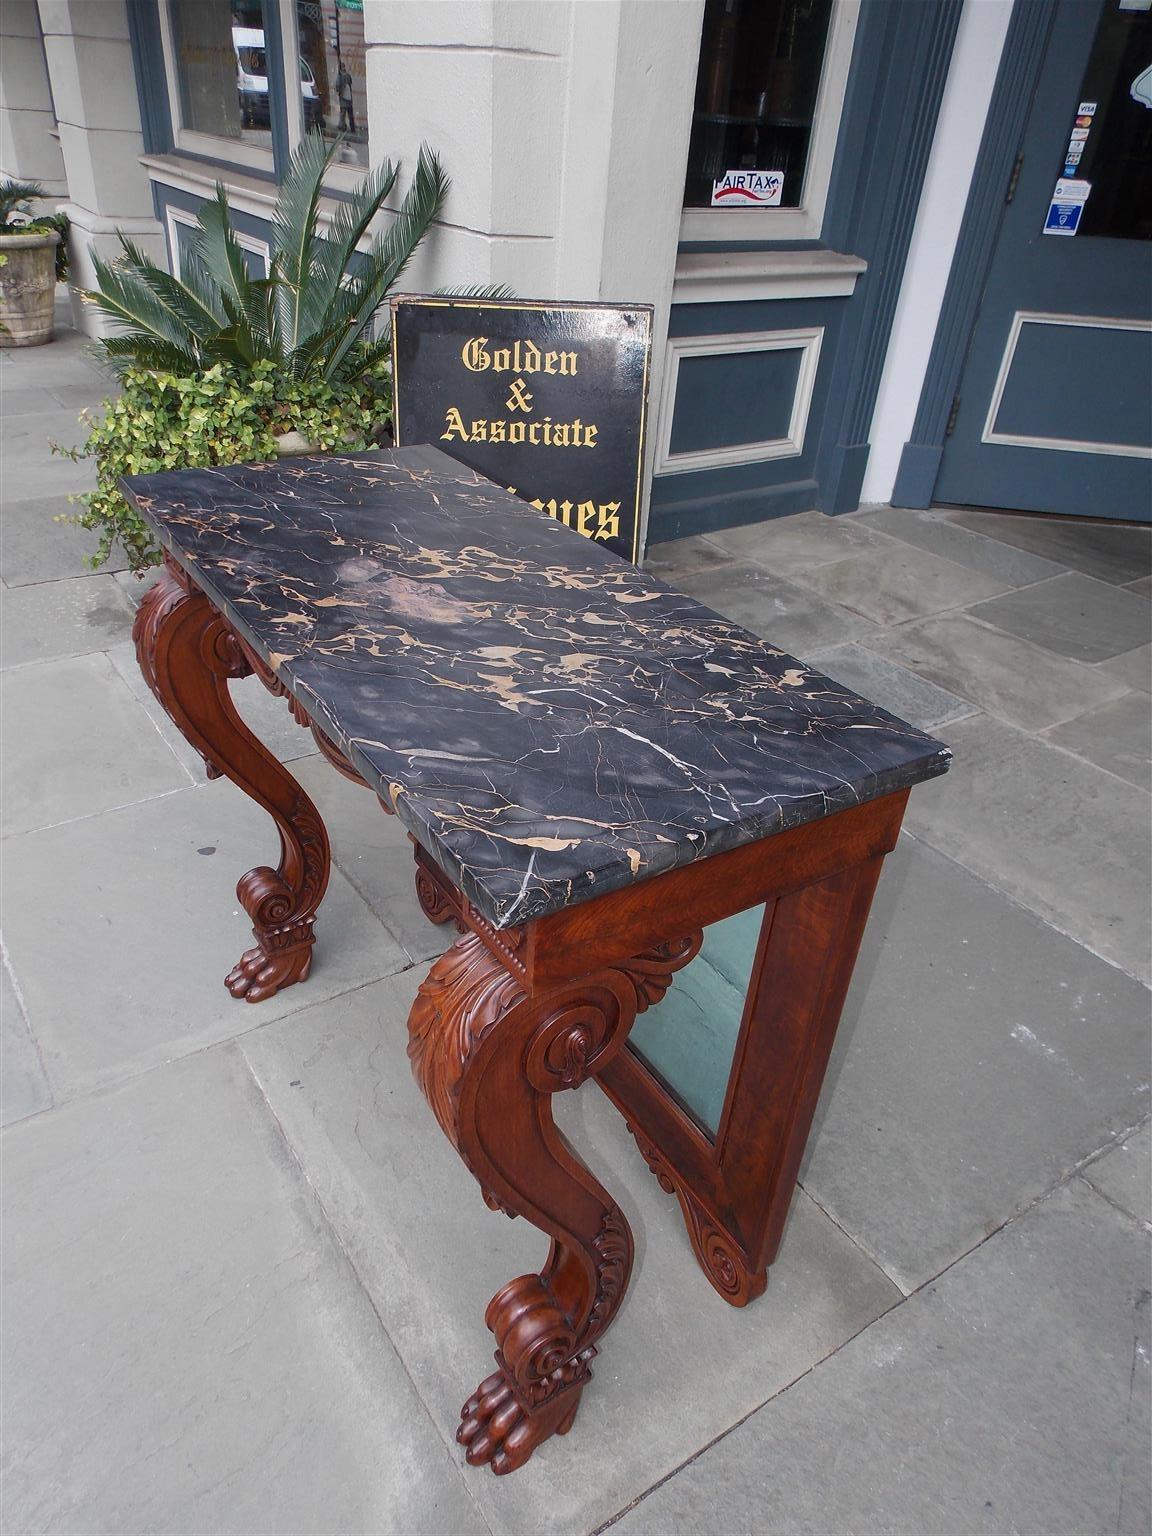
[245,1274]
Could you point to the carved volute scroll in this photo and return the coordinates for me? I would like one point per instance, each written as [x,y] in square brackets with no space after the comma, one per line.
[489,1055]
[720,1256]
[187,653]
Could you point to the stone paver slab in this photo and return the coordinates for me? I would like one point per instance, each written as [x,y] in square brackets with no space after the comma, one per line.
[1063,837]
[789,546]
[896,689]
[33,401]
[981,1056]
[186,1348]
[778,611]
[1124,1174]
[1109,551]
[267,716]
[373,850]
[76,742]
[1116,736]
[933,532]
[36,547]
[1011,678]
[1072,615]
[677,558]
[1133,668]
[1011,1396]
[24,1089]
[899,582]
[142,903]
[29,438]
[62,618]
[432,1255]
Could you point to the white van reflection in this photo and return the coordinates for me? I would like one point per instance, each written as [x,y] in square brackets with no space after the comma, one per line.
[252,82]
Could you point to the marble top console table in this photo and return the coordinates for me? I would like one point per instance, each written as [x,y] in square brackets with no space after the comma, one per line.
[606,784]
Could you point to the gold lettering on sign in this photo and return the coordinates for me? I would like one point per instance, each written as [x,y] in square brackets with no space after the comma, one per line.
[520,357]
[544,433]
[519,398]
[593,521]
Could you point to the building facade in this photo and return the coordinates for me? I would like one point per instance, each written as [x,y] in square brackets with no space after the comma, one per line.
[863,224]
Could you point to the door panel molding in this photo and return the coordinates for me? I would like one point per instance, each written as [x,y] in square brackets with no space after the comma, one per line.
[806,340]
[1025,48]
[1025,317]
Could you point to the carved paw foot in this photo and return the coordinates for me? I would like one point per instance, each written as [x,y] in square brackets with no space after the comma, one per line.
[498,1430]
[257,975]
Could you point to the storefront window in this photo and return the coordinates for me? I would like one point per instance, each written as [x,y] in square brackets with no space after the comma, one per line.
[1109,149]
[331,35]
[220,68]
[756,97]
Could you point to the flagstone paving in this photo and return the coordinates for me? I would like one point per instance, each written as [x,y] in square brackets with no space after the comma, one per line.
[244,1274]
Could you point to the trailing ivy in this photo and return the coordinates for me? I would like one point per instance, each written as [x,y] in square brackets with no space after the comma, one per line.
[224,415]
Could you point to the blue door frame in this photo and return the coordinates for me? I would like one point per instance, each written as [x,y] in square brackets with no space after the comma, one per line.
[1008,281]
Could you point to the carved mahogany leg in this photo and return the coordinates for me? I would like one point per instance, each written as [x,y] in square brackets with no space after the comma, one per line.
[187,653]
[489,1055]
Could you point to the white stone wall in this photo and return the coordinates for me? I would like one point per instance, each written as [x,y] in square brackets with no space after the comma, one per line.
[564,125]
[29,150]
[94,87]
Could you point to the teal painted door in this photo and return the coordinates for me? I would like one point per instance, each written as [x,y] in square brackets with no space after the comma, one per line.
[1054,410]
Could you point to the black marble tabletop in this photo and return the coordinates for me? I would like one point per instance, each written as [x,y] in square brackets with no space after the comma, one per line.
[549,722]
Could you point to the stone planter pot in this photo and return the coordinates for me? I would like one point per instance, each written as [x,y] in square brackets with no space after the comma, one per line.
[290,444]
[27,288]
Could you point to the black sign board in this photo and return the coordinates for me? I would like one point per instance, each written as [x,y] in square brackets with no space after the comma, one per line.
[547,399]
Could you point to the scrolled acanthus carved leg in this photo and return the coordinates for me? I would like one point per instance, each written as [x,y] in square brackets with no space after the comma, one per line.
[187,654]
[489,1056]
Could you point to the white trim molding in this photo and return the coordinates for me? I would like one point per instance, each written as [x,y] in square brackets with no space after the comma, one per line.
[174,216]
[728,277]
[805,340]
[1057,444]
[805,222]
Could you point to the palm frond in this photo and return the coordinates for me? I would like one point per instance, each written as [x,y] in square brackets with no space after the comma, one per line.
[390,254]
[312,316]
[294,233]
[189,306]
[121,353]
[333,256]
[132,306]
[217,248]
[422,203]
[14,197]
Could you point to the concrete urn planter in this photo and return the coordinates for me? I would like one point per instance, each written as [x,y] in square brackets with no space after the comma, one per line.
[27,288]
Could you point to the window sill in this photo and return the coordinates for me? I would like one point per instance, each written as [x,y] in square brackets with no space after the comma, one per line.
[728,277]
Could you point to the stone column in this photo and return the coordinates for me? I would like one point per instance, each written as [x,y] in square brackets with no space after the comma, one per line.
[29,150]
[564,128]
[94,88]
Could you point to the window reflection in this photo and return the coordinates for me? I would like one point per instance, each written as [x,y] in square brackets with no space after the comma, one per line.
[332,62]
[221,68]
[1110,143]
[756,94]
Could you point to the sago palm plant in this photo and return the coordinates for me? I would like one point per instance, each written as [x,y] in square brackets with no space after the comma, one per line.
[311,316]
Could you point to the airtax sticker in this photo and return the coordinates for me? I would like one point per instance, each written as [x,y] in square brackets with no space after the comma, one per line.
[748,189]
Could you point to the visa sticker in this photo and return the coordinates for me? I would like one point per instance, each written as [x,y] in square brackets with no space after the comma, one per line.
[1086,109]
